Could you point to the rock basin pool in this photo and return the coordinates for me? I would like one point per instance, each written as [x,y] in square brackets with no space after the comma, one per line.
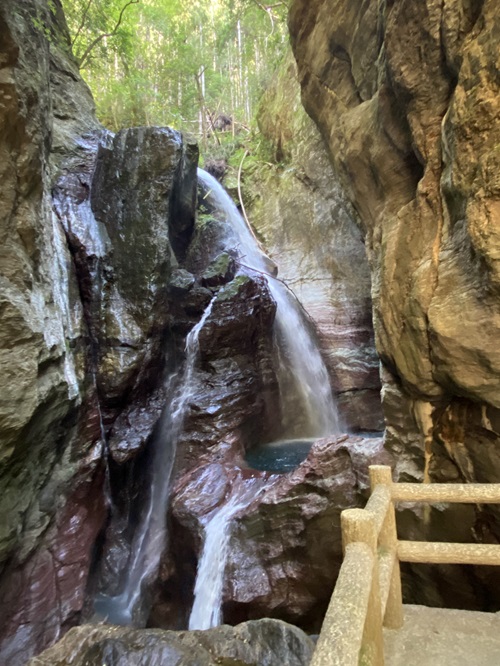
[279,457]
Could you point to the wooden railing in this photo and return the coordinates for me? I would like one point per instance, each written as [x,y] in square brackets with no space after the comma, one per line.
[367,595]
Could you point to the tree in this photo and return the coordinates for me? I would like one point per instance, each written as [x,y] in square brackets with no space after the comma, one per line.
[85,57]
[169,62]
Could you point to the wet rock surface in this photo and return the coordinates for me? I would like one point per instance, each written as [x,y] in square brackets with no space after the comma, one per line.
[49,426]
[279,544]
[79,345]
[258,643]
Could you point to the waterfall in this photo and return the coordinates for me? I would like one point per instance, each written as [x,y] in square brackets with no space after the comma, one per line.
[150,535]
[303,375]
[207,611]
[303,380]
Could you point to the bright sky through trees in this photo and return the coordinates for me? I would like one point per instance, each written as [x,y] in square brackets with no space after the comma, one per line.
[176,62]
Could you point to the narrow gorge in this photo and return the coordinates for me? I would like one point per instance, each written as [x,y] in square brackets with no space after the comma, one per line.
[189,401]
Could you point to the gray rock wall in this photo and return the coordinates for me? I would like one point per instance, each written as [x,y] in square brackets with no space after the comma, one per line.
[311,231]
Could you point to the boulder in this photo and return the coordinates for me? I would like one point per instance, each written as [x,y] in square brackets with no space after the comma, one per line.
[258,643]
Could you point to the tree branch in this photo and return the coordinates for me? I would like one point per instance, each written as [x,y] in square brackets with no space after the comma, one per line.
[99,38]
[82,23]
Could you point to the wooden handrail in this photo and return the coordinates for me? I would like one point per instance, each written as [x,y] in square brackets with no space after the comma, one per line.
[341,635]
[368,590]
[378,505]
[464,493]
[449,553]
[386,562]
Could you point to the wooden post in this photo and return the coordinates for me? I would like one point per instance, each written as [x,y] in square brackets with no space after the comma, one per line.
[358,526]
[388,540]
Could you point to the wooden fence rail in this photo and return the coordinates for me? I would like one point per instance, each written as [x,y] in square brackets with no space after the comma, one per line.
[367,595]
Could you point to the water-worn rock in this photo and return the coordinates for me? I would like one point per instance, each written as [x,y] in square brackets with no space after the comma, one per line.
[406,96]
[235,392]
[80,279]
[258,643]
[282,539]
[311,231]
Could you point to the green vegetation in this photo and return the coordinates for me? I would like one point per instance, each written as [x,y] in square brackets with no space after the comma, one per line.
[185,64]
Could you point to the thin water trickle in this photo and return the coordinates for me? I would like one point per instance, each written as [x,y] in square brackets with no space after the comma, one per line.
[207,606]
[150,536]
[303,375]
[59,329]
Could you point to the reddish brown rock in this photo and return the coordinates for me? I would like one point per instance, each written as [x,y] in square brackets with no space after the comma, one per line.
[281,541]
[43,597]
[234,399]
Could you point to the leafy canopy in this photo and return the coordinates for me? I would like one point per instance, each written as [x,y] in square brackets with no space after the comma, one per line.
[174,62]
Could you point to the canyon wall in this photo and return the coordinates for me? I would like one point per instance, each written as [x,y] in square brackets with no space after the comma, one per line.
[298,208]
[85,314]
[49,434]
[405,95]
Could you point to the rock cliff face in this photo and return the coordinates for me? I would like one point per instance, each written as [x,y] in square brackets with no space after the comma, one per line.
[311,231]
[405,95]
[82,352]
[48,432]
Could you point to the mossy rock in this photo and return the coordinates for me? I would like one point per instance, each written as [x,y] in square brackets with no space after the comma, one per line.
[221,271]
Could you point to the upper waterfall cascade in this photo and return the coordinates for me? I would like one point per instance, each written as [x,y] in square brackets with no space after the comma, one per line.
[302,374]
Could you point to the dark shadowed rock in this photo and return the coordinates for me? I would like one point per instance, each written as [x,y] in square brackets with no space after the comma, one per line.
[140,190]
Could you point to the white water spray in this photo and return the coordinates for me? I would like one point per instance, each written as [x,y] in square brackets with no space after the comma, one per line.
[207,607]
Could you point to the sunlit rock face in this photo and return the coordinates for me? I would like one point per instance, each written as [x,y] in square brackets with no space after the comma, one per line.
[311,231]
[405,95]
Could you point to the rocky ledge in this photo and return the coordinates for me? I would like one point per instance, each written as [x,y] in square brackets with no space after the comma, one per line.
[258,643]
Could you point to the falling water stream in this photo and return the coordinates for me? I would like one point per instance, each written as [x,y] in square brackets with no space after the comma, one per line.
[207,611]
[304,388]
[302,372]
[302,376]
[150,536]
